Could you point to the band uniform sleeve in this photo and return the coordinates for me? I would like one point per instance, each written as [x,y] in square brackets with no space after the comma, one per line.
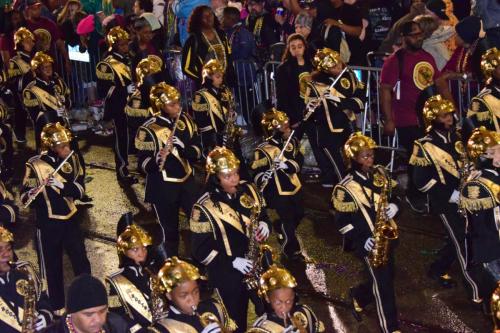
[30,102]
[8,209]
[190,62]
[144,142]
[105,79]
[294,157]
[259,165]
[424,176]
[30,181]
[76,188]
[346,211]
[192,150]
[479,113]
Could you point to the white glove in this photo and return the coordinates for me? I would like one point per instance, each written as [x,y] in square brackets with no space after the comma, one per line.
[55,182]
[454,197]
[212,328]
[178,142]
[40,323]
[60,112]
[262,231]
[242,264]
[280,165]
[392,210]
[267,175]
[332,98]
[312,104]
[369,244]
[130,88]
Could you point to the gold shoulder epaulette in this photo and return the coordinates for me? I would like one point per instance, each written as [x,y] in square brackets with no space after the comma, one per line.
[104,71]
[342,200]
[419,157]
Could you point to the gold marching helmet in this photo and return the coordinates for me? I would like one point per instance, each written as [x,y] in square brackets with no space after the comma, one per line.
[272,120]
[22,34]
[148,66]
[54,134]
[325,59]
[5,235]
[162,94]
[489,61]
[39,59]
[356,143]
[116,34]
[211,67]
[222,160]
[175,272]
[132,236]
[480,140]
[434,107]
[275,278]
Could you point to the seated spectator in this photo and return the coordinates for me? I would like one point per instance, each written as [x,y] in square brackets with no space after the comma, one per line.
[435,37]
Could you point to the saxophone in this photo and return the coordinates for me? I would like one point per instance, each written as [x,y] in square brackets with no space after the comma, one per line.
[27,289]
[231,132]
[297,323]
[464,170]
[61,100]
[157,304]
[384,231]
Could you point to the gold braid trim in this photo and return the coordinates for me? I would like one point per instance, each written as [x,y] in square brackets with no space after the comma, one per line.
[483,116]
[114,301]
[136,112]
[30,102]
[477,204]
[200,227]
[259,163]
[141,145]
[105,76]
[419,161]
[200,107]
[345,207]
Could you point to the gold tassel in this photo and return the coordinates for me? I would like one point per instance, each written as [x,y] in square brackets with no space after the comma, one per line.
[477,204]
[345,207]
[483,116]
[134,112]
[141,145]
[419,161]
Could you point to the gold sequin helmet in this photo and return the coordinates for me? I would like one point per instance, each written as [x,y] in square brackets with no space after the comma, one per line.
[480,140]
[175,272]
[272,120]
[5,235]
[222,160]
[54,134]
[434,107]
[116,34]
[22,34]
[489,61]
[148,66]
[211,67]
[162,94]
[39,59]
[132,236]
[275,278]
[356,143]
[325,59]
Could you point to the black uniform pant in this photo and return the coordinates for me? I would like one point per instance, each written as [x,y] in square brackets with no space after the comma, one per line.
[309,128]
[407,136]
[455,249]
[290,211]
[54,237]
[167,212]
[20,119]
[379,288]
[332,145]
[121,144]
[6,146]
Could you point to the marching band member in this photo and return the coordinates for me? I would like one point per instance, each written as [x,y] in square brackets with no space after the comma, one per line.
[480,198]
[46,97]
[437,172]
[357,200]
[228,221]
[57,227]
[115,83]
[336,108]
[167,145]
[19,75]
[178,281]
[484,109]
[285,313]
[129,288]
[6,144]
[8,209]
[278,176]
[14,275]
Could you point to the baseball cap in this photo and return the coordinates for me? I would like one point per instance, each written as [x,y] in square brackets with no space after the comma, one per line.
[438,7]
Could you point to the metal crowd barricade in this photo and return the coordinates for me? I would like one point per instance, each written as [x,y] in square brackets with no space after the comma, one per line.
[248,88]
[173,62]
[270,71]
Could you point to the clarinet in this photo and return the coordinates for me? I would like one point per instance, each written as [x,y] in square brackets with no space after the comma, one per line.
[169,141]
[274,167]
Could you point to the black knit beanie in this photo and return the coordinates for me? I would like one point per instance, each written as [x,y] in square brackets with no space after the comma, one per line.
[85,292]
[469,29]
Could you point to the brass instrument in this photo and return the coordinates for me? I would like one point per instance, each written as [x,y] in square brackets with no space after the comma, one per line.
[169,143]
[297,323]
[40,187]
[464,171]
[27,289]
[61,104]
[207,318]
[231,132]
[384,231]
[157,303]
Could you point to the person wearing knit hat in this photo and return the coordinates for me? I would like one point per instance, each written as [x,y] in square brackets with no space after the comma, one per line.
[87,309]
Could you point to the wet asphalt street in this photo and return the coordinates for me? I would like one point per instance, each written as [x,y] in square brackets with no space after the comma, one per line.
[323,284]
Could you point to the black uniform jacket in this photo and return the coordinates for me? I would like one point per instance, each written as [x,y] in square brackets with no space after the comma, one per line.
[12,302]
[19,73]
[138,108]
[485,108]
[114,324]
[8,209]
[481,199]
[337,116]
[303,315]
[53,203]
[283,182]
[151,137]
[113,77]
[435,171]
[356,200]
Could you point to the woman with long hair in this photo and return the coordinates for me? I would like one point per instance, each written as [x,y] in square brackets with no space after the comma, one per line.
[206,41]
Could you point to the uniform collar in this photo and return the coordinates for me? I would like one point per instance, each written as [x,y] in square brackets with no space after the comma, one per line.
[4,279]
[118,56]
[168,120]
[45,83]
[445,137]
[24,55]
[137,270]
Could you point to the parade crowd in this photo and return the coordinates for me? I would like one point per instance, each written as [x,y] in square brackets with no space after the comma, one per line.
[452,156]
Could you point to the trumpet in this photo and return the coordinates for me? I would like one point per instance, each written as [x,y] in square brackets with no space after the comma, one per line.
[296,323]
[43,184]
[208,318]
[169,143]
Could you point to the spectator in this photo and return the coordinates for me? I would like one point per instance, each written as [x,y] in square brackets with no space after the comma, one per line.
[142,44]
[143,6]
[159,10]
[218,8]
[442,11]
[182,10]
[286,17]
[46,32]
[68,20]
[265,29]
[489,12]
[206,41]
[303,26]
[434,39]
[15,20]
